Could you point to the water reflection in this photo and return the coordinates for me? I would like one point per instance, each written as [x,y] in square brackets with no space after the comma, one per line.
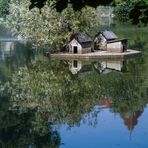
[104,67]
[13,54]
[21,130]
[6,48]
[45,94]
[42,94]
[109,131]
[130,117]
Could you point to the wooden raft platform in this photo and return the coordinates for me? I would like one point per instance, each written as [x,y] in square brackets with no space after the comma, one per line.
[97,55]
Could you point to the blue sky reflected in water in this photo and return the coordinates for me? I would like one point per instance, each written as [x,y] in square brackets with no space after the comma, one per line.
[110,131]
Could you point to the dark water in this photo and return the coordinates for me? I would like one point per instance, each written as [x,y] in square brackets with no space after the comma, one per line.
[69,103]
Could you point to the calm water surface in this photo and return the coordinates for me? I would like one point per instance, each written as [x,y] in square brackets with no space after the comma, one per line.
[73,104]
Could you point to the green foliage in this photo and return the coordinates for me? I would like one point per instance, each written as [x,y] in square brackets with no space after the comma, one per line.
[139,14]
[135,11]
[77,5]
[25,129]
[4,8]
[123,9]
[48,28]
[42,86]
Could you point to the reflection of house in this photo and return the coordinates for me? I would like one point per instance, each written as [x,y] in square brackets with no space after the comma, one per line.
[130,118]
[106,103]
[107,40]
[108,66]
[80,43]
[76,65]
[102,67]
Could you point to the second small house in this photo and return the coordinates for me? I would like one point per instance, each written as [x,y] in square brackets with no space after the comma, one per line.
[80,43]
[107,40]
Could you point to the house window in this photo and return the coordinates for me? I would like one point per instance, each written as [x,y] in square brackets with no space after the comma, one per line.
[75,49]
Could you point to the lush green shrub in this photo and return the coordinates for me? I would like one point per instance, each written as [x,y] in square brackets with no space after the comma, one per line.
[4,8]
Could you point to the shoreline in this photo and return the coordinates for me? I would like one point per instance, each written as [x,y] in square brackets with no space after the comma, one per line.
[96,55]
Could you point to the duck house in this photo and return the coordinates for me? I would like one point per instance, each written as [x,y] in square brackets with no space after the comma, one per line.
[107,40]
[80,43]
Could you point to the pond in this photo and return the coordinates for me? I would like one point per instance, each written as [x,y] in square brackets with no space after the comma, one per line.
[73,103]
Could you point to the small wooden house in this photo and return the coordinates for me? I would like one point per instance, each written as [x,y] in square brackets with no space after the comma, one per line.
[107,40]
[80,43]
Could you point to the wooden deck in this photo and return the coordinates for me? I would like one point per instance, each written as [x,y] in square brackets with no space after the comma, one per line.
[97,55]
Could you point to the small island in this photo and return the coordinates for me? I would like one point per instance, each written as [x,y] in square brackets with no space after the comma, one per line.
[105,44]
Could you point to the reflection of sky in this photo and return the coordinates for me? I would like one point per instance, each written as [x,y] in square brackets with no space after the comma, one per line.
[110,132]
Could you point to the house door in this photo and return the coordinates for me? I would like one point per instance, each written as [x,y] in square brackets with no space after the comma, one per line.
[124,47]
[75,49]
[75,64]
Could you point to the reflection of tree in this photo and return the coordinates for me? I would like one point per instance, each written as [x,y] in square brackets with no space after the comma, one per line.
[21,130]
[130,98]
[131,119]
[56,96]
[53,90]
[21,56]
[4,72]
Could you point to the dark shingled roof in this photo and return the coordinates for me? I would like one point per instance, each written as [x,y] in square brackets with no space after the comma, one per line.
[117,40]
[81,37]
[109,35]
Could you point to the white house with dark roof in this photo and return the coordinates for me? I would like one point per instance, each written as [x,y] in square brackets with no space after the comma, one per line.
[80,43]
[107,40]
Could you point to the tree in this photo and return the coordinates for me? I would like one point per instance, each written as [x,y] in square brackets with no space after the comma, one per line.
[123,9]
[77,5]
[135,11]
[4,8]
[138,13]
[50,29]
